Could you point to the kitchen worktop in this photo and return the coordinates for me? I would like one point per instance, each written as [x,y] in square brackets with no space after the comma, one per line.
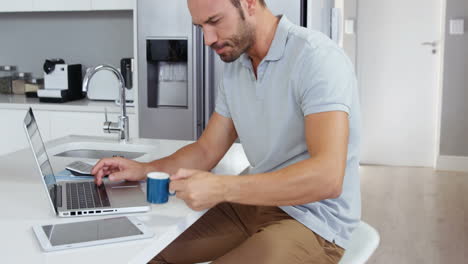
[24,203]
[12,101]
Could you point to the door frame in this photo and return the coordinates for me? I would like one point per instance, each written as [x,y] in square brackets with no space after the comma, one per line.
[440,85]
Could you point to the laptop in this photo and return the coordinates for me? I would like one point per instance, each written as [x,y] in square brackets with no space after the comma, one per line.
[82,197]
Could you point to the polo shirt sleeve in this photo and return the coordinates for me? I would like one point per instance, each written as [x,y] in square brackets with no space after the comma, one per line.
[327,81]
[221,106]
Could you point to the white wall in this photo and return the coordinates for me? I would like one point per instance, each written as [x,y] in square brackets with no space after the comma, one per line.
[88,38]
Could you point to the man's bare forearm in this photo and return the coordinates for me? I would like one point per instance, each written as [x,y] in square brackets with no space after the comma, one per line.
[205,153]
[193,156]
[304,182]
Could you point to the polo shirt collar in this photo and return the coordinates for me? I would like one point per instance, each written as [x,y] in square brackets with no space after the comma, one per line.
[278,45]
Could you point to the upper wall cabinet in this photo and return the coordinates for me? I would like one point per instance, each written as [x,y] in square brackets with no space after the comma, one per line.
[112,4]
[64,5]
[16,5]
[60,5]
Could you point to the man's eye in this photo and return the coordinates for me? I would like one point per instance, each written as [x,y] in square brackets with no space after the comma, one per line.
[214,22]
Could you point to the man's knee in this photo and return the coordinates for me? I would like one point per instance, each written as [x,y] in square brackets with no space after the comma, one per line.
[268,245]
[286,241]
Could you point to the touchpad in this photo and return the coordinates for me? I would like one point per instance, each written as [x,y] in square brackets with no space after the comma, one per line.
[123,184]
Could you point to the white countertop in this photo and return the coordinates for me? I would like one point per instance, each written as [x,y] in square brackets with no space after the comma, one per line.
[22,102]
[24,203]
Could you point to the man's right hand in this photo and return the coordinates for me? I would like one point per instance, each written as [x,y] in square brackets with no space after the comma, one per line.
[119,169]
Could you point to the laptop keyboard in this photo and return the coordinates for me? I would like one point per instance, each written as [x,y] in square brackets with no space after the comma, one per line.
[86,195]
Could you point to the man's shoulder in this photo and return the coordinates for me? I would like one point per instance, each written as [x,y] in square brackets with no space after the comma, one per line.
[313,47]
[309,42]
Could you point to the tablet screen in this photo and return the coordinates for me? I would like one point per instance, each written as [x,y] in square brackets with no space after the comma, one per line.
[71,233]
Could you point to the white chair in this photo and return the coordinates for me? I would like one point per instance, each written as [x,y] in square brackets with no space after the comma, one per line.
[364,241]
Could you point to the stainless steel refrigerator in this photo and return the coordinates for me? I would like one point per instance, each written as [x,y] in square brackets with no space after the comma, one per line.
[178,75]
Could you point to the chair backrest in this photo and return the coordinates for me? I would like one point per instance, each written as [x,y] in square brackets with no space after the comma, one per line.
[364,241]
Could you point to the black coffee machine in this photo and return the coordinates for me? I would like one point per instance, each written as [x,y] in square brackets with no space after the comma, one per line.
[62,82]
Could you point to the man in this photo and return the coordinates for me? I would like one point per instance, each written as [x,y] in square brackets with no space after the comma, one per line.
[289,94]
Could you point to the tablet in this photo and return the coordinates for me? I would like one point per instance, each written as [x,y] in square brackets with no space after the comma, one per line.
[90,233]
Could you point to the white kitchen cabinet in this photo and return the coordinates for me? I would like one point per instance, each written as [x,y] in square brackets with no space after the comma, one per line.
[12,134]
[61,5]
[16,5]
[87,124]
[54,124]
[112,4]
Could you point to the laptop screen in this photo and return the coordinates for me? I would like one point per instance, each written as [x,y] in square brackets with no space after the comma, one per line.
[40,154]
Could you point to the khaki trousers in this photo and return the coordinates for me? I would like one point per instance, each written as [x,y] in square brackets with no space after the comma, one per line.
[243,234]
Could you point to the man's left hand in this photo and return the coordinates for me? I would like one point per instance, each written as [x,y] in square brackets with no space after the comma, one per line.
[199,189]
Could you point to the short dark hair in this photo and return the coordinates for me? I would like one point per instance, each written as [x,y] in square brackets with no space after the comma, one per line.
[236,3]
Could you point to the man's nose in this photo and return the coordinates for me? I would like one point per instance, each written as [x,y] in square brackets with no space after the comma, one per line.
[210,37]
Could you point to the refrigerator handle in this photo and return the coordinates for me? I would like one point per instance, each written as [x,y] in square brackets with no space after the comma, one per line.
[337,26]
[326,25]
[198,82]
[304,13]
[209,85]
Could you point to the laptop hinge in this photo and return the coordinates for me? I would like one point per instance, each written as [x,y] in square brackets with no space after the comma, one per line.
[56,196]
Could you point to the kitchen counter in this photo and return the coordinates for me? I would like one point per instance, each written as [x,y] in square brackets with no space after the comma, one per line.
[84,105]
[83,117]
[24,203]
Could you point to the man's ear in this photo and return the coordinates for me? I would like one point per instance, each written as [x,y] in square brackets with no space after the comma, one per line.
[251,6]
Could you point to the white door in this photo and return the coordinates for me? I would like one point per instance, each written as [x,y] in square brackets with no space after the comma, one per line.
[399,80]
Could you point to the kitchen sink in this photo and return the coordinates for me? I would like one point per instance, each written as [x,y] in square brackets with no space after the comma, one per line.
[98,148]
[99,154]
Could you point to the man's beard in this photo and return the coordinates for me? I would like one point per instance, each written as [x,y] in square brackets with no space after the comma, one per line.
[239,43]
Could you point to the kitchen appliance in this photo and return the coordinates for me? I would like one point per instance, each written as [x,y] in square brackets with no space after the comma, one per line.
[32,86]
[6,78]
[178,76]
[62,82]
[104,86]
[19,82]
[126,68]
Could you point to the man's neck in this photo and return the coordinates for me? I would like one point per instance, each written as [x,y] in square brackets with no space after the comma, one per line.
[264,34]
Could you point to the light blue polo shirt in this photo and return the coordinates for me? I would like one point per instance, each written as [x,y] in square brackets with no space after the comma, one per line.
[303,73]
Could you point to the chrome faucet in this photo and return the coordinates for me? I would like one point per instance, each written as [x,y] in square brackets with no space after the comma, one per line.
[121,126]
